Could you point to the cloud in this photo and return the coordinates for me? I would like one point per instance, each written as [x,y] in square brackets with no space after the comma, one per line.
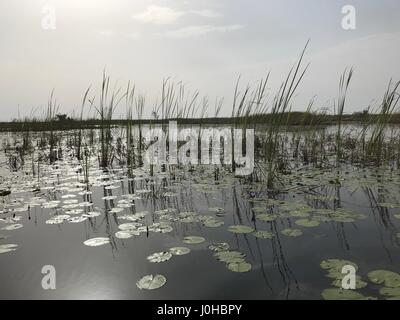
[105,32]
[158,15]
[195,31]
[207,13]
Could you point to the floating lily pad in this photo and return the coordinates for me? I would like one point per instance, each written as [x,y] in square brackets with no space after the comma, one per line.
[193,240]
[359,283]
[263,234]
[394,292]
[151,282]
[389,278]
[179,251]
[92,214]
[216,210]
[335,266]
[267,217]
[159,257]
[219,246]
[230,256]
[125,234]
[213,223]
[239,266]
[4,248]
[162,227]
[12,227]
[95,242]
[342,294]
[240,229]
[307,223]
[292,232]
[77,219]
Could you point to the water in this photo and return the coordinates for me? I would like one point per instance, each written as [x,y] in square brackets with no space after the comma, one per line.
[281,268]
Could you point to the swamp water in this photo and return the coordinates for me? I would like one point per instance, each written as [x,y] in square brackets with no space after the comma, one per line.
[183,234]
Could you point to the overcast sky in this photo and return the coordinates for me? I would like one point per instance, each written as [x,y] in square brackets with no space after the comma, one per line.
[205,43]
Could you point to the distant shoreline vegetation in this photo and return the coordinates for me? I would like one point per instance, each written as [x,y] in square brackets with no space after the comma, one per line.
[292,119]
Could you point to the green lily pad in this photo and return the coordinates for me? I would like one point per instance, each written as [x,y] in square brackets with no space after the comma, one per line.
[179,251]
[263,234]
[230,256]
[389,278]
[240,229]
[219,246]
[193,240]
[359,283]
[159,257]
[292,232]
[342,294]
[335,266]
[213,223]
[151,282]
[239,266]
[266,217]
[394,292]
[307,223]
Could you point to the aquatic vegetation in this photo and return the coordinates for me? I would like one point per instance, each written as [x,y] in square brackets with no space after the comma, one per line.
[326,174]
[159,257]
[11,227]
[193,240]
[95,242]
[388,278]
[220,246]
[263,234]
[240,229]
[292,232]
[239,266]
[4,248]
[179,251]
[229,256]
[393,293]
[309,223]
[151,282]
[342,294]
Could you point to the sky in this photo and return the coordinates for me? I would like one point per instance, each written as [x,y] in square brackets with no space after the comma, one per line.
[207,44]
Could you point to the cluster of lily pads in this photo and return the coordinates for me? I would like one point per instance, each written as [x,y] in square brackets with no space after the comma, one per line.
[390,280]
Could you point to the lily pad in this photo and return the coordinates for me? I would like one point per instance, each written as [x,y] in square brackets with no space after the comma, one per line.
[335,266]
[230,256]
[292,232]
[219,246]
[359,283]
[125,234]
[159,257]
[95,242]
[193,240]
[393,292]
[239,266]
[266,217]
[389,278]
[151,282]
[307,223]
[11,227]
[240,229]
[342,294]
[179,251]
[263,234]
[4,248]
